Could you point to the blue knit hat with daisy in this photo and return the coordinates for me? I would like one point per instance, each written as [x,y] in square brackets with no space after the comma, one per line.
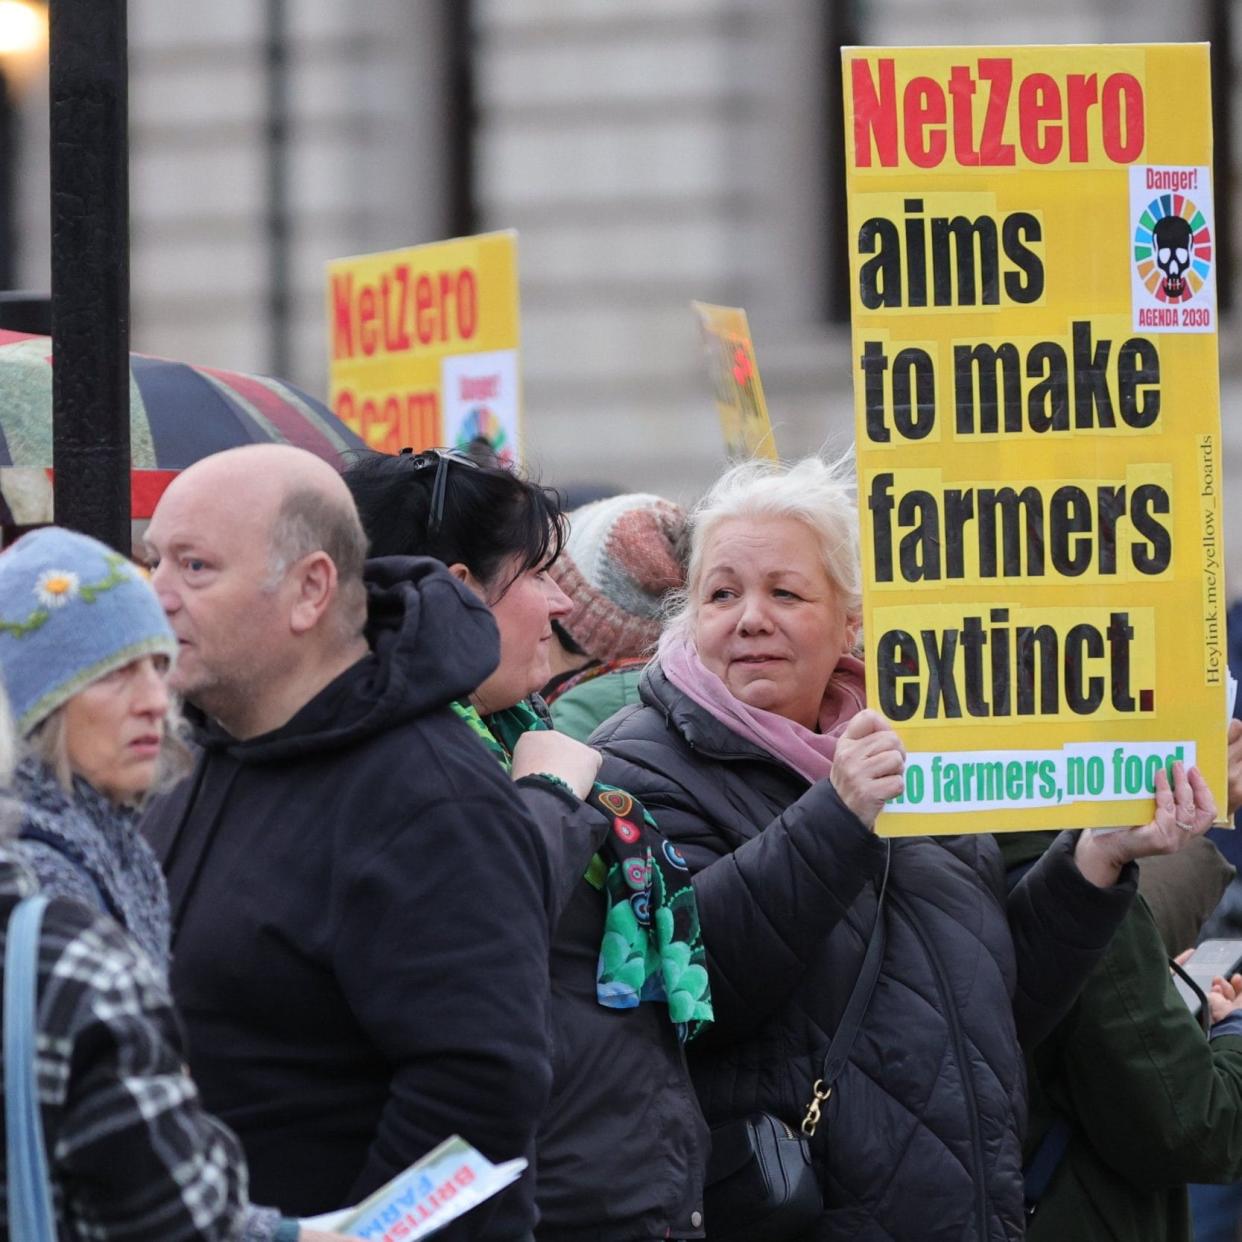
[72,610]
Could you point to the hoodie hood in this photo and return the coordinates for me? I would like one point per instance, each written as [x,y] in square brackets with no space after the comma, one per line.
[432,641]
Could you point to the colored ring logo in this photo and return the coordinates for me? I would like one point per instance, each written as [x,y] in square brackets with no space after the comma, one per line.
[481,423]
[1172,248]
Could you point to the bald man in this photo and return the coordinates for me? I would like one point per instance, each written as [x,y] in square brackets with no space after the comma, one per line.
[360,946]
[260,555]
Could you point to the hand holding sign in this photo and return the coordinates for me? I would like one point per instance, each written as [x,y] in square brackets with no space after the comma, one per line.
[1183,812]
[867,768]
[1225,997]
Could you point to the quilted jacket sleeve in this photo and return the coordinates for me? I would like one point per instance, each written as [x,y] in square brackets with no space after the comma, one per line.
[765,904]
[571,832]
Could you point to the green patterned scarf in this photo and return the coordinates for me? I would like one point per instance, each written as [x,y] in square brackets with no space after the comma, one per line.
[652,948]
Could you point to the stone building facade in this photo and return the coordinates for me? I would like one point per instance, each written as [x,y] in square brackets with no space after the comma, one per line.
[649,152]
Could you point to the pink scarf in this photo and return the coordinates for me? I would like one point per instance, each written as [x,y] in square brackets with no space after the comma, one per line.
[808,753]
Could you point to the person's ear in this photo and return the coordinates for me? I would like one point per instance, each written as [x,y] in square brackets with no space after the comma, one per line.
[462,573]
[853,631]
[316,579]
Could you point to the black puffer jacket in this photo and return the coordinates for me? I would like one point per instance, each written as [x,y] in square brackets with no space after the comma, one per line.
[922,1135]
[360,920]
[622,1143]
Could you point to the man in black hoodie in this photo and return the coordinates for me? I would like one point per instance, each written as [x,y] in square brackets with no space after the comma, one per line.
[360,944]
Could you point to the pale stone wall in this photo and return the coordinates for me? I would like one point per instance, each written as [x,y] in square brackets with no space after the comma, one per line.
[673,149]
[649,152]
[366,136]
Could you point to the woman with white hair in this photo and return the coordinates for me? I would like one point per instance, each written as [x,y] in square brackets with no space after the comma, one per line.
[754,737]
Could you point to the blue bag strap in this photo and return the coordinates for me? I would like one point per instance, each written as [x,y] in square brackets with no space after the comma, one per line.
[1039,1170]
[30,1193]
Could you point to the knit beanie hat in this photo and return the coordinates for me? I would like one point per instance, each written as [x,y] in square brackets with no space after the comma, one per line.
[71,611]
[620,561]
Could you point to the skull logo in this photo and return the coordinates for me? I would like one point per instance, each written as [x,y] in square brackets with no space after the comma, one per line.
[1173,252]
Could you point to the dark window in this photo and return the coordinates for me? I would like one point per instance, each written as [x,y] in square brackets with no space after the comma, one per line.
[843,29]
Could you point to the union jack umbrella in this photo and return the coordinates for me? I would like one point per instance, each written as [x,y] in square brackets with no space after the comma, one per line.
[177,415]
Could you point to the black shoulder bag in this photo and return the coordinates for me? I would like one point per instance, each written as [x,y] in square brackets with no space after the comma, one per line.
[761,1185]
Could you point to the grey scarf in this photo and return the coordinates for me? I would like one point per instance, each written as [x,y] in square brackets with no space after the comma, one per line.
[84,847]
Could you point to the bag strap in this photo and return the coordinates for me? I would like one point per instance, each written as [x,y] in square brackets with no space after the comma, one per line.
[29,1190]
[1204,1016]
[1037,1173]
[843,1040]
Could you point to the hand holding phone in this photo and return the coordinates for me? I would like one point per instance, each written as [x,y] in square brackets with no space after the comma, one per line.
[1214,959]
[1225,997]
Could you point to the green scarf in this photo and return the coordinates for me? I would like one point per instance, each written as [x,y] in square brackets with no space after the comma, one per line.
[652,948]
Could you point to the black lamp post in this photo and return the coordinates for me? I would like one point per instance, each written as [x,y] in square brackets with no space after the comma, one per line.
[90,267]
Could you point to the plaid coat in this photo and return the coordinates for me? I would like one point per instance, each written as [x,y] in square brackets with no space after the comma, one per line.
[131,1153]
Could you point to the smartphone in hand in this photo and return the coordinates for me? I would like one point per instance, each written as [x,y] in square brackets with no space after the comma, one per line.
[1210,959]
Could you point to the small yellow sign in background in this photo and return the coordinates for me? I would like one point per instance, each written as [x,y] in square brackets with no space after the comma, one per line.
[423,344]
[734,375]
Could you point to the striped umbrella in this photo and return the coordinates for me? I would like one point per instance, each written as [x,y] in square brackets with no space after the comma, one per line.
[177,415]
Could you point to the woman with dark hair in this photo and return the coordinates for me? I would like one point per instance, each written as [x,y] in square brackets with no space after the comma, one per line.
[621,1149]
[497,533]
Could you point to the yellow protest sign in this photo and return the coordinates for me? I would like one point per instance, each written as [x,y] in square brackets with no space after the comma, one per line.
[734,375]
[423,344]
[1038,426]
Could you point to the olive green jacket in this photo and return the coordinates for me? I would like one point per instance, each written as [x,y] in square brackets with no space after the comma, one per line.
[1153,1104]
[582,709]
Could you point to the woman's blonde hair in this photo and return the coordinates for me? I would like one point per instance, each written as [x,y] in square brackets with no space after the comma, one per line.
[819,494]
[48,742]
